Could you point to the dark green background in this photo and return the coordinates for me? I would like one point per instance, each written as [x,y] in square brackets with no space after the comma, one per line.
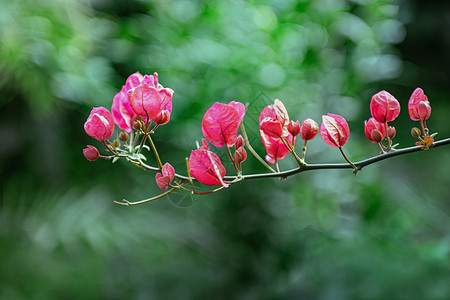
[319,235]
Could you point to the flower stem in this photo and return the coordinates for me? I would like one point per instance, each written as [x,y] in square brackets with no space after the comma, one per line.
[389,142]
[128,203]
[247,142]
[158,160]
[232,160]
[354,167]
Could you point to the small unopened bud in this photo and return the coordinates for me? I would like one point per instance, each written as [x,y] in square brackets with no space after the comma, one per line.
[309,129]
[123,136]
[391,132]
[240,155]
[376,135]
[91,153]
[136,122]
[240,142]
[294,127]
[116,144]
[415,132]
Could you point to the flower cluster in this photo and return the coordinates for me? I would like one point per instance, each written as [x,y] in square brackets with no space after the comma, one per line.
[143,104]
[385,108]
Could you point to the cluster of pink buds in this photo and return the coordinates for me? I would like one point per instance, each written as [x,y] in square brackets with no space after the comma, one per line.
[384,108]
[420,110]
[143,104]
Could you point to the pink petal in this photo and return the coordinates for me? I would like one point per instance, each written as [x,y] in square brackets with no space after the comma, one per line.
[133,80]
[206,167]
[271,127]
[168,171]
[334,130]
[240,109]
[384,107]
[220,125]
[281,112]
[162,181]
[145,101]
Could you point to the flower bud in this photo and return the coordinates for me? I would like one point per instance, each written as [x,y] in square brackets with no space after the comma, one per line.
[391,132]
[376,136]
[294,127]
[116,144]
[418,106]
[415,132]
[309,129]
[91,153]
[123,136]
[374,130]
[138,125]
[240,155]
[100,124]
[240,142]
[424,110]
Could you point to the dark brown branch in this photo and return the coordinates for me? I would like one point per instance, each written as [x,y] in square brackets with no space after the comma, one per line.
[359,164]
[310,167]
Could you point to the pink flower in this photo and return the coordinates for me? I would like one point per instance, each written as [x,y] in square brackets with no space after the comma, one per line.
[163,180]
[121,110]
[206,167]
[273,126]
[274,119]
[100,124]
[334,130]
[149,98]
[309,129]
[374,130]
[418,106]
[91,153]
[221,122]
[384,107]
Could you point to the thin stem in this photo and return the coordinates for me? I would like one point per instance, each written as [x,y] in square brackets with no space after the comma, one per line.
[158,160]
[381,147]
[189,175]
[342,151]
[232,160]
[128,203]
[247,142]
[288,145]
[389,142]
[304,150]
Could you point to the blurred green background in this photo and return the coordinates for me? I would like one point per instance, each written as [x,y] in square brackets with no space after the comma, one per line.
[384,234]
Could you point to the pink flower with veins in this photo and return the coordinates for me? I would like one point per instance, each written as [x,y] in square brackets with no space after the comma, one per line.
[206,167]
[334,130]
[221,122]
[418,106]
[384,107]
[273,126]
[100,124]
[163,180]
[374,130]
[149,98]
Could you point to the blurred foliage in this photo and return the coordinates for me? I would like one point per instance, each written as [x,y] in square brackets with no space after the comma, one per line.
[321,235]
